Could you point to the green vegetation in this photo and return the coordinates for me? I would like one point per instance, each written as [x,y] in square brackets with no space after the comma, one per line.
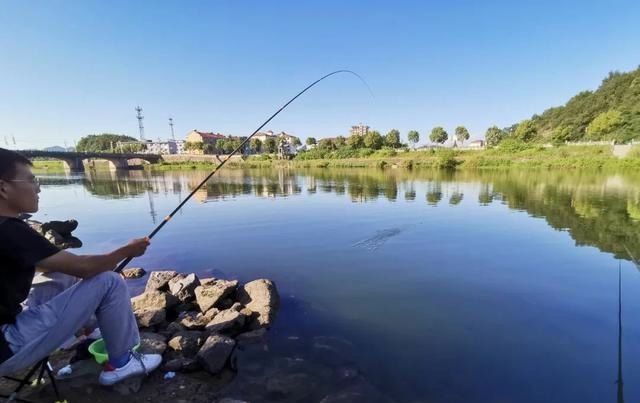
[106,142]
[611,113]
[45,166]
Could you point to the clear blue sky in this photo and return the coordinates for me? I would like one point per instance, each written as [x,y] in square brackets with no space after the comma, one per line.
[70,68]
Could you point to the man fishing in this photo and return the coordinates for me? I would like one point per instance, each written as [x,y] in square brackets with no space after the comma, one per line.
[28,335]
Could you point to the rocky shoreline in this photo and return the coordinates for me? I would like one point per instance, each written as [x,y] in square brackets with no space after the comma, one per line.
[196,323]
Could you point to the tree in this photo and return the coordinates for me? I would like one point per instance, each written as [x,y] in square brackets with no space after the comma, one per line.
[438,135]
[270,145]
[339,142]
[311,141]
[604,124]
[493,136]
[392,139]
[562,134]
[326,144]
[105,142]
[209,149]
[296,142]
[462,134]
[256,145]
[373,140]
[355,141]
[413,136]
[198,145]
[526,131]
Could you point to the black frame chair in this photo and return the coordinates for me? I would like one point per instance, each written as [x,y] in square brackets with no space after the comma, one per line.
[44,366]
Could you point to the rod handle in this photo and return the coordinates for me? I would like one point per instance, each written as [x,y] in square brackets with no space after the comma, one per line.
[123,264]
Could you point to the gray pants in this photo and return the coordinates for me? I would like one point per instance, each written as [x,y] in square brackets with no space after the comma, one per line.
[41,329]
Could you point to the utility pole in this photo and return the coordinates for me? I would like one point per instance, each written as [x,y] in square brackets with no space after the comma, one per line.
[171,125]
[140,125]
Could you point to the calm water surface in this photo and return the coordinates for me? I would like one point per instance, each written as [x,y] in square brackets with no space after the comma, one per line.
[434,287]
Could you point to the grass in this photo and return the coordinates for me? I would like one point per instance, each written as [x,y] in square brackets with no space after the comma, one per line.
[510,156]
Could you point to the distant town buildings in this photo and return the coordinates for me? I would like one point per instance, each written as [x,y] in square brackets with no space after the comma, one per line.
[195,136]
[360,130]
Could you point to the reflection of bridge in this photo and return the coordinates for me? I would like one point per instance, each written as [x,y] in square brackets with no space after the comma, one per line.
[73,161]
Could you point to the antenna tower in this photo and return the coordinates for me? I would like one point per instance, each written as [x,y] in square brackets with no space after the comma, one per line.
[140,125]
[171,125]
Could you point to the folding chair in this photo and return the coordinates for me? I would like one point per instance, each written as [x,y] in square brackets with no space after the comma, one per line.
[44,366]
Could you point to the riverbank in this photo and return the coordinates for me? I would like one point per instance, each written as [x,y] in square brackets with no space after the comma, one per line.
[516,156]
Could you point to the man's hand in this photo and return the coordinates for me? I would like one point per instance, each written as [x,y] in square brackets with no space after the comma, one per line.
[137,247]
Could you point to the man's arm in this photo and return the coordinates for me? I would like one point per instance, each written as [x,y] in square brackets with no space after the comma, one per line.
[85,266]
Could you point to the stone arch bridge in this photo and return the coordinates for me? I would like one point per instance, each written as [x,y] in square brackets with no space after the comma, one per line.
[74,161]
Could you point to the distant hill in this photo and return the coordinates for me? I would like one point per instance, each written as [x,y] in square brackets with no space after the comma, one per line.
[57,149]
[612,112]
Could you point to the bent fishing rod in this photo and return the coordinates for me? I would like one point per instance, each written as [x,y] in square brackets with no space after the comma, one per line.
[124,263]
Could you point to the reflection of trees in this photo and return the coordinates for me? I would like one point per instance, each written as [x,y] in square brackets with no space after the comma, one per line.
[485,196]
[593,211]
[456,198]
[434,193]
[115,185]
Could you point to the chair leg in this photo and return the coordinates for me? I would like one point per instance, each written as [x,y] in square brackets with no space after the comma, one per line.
[53,381]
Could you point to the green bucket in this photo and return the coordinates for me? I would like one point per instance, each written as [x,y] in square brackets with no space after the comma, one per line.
[99,351]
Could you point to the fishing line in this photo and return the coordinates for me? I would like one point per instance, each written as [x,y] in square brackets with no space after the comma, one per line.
[240,147]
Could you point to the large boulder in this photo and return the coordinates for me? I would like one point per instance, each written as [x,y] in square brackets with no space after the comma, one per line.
[261,297]
[159,280]
[196,320]
[213,291]
[187,342]
[153,299]
[226,321]
[133,272]
[152,343]
[215,352]
[183,287]
[147,317]
[181,363]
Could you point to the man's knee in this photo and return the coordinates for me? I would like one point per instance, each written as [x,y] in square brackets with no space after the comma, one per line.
[110,279]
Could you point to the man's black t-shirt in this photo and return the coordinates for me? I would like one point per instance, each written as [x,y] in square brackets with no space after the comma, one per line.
[20,249]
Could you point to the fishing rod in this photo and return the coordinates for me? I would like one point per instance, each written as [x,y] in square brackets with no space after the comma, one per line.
[240,147]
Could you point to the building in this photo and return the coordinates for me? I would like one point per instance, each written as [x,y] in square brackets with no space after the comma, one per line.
[475,144]
[150,147]
[263,136]
[195,136]
[161,147]
[360,130]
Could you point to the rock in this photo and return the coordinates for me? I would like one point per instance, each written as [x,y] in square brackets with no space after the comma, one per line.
[171,329]
[215,352]
[159,280]
[212,292]
[147,317]
[359,393]
[133,272]
[188,342]
[294,386]
[153,299]
[183,287]
[225,303]
[182,364]
[185,307]
[152,343]
[254,336]
[197,320]
[226,321]
[129,386]
[261,297]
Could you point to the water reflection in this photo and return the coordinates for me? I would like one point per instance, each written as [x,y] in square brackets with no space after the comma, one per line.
[596,209]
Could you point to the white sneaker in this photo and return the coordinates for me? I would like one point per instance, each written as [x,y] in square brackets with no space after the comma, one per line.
[138,364]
